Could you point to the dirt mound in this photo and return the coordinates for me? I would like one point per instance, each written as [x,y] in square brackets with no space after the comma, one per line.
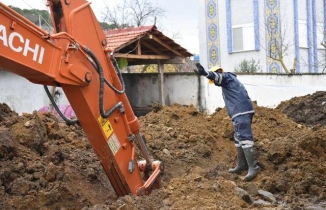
[46,164]
[309,110]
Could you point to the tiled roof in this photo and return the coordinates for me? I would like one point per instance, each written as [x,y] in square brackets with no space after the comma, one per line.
[126,40]
[118,38]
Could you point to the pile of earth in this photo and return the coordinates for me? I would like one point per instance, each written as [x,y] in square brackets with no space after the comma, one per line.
[309,110]
[46,164]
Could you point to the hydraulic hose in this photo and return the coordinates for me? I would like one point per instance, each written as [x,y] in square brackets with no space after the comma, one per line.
[68,121]
[99,70]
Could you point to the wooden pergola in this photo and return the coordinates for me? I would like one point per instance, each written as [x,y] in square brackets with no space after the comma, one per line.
[145,45]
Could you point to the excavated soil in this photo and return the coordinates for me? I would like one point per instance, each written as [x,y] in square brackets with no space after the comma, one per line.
[45,164]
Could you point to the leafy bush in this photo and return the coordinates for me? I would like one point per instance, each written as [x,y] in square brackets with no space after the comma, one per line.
[248,67]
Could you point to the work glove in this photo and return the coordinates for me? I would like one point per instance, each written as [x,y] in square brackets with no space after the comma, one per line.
[201,71]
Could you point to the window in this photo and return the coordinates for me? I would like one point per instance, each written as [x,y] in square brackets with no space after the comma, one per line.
[243,37]
[303,42]
[303,38]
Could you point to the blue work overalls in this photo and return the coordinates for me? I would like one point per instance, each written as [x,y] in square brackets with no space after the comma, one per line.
[239,107]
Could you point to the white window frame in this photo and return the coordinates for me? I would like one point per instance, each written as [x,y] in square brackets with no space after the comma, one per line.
[248,38]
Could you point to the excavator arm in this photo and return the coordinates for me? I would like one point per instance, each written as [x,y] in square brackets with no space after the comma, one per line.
[74,57]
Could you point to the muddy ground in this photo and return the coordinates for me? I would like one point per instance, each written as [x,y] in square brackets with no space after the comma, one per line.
[45,164]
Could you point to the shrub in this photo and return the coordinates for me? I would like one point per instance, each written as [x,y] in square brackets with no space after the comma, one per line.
[248,67]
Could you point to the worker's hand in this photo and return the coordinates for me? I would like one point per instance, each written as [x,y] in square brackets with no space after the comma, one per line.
[201,70]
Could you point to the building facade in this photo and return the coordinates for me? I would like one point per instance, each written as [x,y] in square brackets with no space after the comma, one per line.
[283,36]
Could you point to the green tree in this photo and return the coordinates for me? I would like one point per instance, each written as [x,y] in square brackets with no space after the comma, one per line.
[38,17]
[106,26]
[248,67]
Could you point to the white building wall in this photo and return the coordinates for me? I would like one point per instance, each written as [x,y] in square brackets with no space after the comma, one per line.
[270,90]
[230,61]
[207,99]
[20,94]
[244,14]
[267,90]
[287,31]
[23,96]
[181,89]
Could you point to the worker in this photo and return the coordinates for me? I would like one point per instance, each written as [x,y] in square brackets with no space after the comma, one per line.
[240,109]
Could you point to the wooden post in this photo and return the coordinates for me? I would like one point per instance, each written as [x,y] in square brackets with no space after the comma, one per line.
[161,81]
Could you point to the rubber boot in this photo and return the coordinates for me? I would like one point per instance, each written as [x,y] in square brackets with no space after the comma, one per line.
[253,168]
[242,163]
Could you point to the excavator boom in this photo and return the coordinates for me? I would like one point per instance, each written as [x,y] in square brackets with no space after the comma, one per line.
[73,57]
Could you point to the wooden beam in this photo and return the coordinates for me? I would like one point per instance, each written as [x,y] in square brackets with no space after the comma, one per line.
[151,47]
[150,57]
[169,61]
[160,68]
[164,45]
[139,48]
[176,60]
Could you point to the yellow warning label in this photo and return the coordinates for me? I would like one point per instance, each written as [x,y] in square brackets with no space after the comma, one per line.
[106,126]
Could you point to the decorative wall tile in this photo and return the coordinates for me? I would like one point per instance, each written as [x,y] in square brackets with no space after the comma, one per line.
[212,39]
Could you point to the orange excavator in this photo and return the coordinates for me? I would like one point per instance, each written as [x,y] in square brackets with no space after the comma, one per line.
[75,57]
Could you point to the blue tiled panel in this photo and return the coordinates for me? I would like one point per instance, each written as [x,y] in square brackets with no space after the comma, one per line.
[212,39]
